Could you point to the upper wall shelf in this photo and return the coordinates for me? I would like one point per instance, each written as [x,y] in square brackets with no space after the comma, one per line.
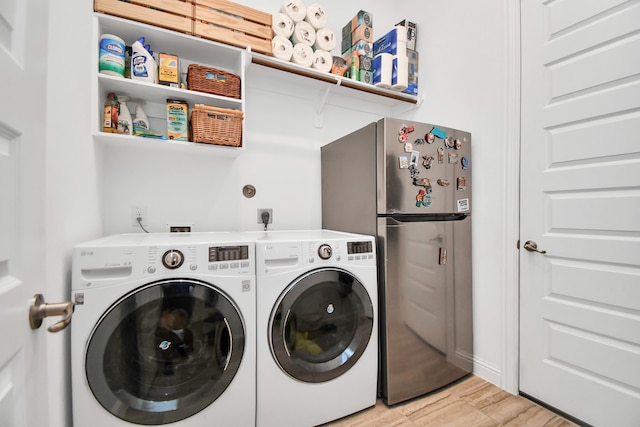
[290,67]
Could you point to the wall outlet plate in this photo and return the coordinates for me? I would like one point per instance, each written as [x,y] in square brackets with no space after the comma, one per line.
[269,211]
[138,211]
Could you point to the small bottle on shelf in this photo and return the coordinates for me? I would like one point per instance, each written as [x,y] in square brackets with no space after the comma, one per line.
[110,118]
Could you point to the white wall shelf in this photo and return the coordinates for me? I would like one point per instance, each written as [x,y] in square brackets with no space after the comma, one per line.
[350,94]
[127,141]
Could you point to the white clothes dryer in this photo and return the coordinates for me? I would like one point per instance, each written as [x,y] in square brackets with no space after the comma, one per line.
[317,346]
[164,330]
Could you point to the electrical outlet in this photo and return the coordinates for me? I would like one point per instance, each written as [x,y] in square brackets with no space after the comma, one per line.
[138,212]
[261,211]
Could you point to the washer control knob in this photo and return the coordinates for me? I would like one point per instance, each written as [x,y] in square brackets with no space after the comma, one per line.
[172,259]
[151,269]
[324,251]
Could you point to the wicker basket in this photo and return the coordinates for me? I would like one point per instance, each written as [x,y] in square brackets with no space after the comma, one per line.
[212,80]
[213,125]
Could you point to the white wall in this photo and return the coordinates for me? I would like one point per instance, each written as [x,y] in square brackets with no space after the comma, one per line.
[91,189]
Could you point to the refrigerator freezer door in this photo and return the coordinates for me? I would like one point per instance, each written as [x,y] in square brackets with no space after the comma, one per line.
[427,168]
[426,333]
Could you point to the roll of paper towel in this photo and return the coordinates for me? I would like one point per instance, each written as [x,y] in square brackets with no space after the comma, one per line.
[325,40]
[316,16]
[382,70]
[303,32]
[295,9]
[302,54]
[281,48]
[400,75]
[322,60]
[282,25]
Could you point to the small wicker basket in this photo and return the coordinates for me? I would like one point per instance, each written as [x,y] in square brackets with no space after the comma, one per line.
[213,125]
[212,80]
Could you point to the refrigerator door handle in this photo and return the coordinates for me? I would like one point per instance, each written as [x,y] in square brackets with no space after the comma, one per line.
[443,256]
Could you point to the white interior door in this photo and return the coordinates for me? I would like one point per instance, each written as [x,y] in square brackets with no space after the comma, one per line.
[580,202]
[23,53]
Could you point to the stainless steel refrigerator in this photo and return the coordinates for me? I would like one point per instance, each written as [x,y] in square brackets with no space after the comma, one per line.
[409,184]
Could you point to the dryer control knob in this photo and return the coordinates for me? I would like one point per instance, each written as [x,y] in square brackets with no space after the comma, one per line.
[172,259]
[324,251]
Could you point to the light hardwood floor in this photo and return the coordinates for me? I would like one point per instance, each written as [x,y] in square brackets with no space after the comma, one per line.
[471,402]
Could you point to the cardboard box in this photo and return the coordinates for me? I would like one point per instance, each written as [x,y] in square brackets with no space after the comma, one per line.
[168,70]
[393,42]
[361,48]
[177,120]
[412,32]
[412,88]
[366,63]
[366,77]
[361,18]
[362,33]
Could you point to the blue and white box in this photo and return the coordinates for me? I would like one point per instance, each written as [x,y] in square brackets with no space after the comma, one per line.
[394,42]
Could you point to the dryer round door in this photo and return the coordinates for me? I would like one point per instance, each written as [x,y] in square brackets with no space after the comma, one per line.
[321,325]
[165,351]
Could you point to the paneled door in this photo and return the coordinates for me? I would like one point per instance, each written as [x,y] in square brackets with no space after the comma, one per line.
[580,208]
[23,55]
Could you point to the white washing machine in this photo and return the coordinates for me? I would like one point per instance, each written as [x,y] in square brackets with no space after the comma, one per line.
[164,330]
[317,346]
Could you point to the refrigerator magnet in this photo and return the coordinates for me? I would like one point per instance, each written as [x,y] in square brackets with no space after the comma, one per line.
[465,163]
[403,137]
[415,155]
[419,141]
[463,205]
[441,155]
[423,199]
[453,158]
[430,138]
[408,147]
[413,171]
[406,129]
[448,142]
[457,144]
[438,133]
[404,162]
[443,182]
[461,183]
[423,182]
[427,161]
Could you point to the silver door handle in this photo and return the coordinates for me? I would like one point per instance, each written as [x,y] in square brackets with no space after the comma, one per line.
[532,246]
[40,309]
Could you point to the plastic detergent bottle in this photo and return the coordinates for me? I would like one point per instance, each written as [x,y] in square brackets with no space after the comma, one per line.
[125,124]
[140,122]
[143,65]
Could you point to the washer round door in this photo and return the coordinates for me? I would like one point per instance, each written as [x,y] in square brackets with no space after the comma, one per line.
[165,351]
[321,325]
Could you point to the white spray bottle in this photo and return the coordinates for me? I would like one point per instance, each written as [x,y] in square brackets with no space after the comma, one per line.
[141,121]
[125,124]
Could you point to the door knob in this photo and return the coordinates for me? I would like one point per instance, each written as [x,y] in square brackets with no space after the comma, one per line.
[532,246]
[40,309]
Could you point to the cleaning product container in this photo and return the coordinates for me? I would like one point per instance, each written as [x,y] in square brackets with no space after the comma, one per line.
[112,52]
[125,124]
[143,65]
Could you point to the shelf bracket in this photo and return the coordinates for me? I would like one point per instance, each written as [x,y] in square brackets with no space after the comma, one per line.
[318,120]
